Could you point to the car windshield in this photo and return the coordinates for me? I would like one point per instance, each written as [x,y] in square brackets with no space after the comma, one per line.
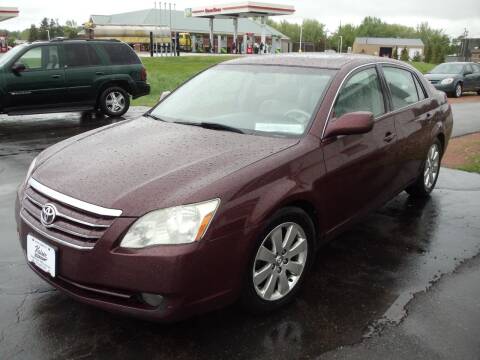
[255,99]
[12,53]
[447,68]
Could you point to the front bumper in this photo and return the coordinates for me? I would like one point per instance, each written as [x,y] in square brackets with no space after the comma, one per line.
[192,278]
[450,88]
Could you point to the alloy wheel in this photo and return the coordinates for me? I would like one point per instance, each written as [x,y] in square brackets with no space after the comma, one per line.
[431,166]
[280,261]
[458,90]
[115,101]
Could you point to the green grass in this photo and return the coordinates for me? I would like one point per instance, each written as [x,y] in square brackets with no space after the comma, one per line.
[473,164]
[166,73]
[422,66]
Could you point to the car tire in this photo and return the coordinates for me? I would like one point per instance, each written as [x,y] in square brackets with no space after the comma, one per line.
[427,179]
[276,269]
[114,101]
[458,90]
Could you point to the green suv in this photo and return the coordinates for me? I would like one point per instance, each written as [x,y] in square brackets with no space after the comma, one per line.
[71,75]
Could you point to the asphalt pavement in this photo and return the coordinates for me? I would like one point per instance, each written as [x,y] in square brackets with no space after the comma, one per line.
[403,283]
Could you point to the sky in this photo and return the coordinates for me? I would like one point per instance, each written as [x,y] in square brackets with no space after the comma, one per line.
[453,16]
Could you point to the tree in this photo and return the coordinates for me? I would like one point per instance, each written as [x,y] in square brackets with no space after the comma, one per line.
[33,33]
[404,55]
[44,28]
[395,53]
[417,57]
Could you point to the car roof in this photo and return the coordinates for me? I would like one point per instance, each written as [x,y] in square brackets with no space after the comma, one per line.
[70,41]
[316,60]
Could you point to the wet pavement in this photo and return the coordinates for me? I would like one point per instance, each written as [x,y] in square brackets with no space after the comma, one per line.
[403,283]
[466,116]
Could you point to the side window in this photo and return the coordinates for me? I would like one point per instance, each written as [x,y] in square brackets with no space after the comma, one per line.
[468,68]
[362,92]
[476,68]
[32,59]
[402,87]
[53,60]
[120,54]
[420,89]
[81,55]
[93,56]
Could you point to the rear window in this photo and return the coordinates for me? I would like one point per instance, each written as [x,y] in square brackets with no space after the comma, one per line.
[120,54]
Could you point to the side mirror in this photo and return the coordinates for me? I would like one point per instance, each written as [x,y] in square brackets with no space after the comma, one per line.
[467,73]
[164,94]
[359,122]
[18,68]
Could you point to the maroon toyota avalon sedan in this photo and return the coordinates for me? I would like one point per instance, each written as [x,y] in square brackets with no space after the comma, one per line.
[227,188]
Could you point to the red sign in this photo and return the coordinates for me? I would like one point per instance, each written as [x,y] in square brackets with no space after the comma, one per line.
[211,10]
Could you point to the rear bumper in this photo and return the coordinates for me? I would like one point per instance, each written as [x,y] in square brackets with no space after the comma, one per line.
[141,89]
[191,278]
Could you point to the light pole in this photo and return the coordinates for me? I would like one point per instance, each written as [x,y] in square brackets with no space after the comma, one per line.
[341,44]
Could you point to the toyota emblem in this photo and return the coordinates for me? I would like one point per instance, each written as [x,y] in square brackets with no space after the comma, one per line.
[49,212]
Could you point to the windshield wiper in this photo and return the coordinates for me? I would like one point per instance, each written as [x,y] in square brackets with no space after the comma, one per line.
[213,126]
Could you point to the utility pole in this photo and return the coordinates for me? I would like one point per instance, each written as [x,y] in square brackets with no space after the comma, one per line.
[156,30]
[464,47]
[171,42]
[301,34]
[341,44]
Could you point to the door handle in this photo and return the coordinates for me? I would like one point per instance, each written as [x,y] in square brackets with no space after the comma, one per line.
[99,73]
[56,76]
[389,136]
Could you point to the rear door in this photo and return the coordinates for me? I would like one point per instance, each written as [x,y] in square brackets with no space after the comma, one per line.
[41,85]
[414,115]
[83,67]
[361,169]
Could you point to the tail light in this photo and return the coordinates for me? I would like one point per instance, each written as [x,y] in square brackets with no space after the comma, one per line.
[143,74]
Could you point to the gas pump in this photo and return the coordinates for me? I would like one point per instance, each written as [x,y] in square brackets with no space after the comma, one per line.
[250,42]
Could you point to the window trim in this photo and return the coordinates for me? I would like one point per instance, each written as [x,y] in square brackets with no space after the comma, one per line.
[382,90]
[379,64]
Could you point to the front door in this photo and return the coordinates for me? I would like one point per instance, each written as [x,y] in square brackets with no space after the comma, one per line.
[40,85]
[83,67]
[361,172]
[470,79]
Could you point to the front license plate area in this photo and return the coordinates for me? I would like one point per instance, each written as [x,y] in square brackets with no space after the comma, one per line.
[41,254]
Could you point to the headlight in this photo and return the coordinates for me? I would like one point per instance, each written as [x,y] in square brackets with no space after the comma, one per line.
[176,225]
[30,171]
[447,81]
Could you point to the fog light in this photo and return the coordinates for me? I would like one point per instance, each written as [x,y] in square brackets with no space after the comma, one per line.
[152,299]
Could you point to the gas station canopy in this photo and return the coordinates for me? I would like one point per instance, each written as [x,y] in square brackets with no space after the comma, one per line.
[238,10]
[243,9]
[8,12]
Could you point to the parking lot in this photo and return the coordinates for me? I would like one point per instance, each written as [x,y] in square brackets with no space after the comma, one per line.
[382,290]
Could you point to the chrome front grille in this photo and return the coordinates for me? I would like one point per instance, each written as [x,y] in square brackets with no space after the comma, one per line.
[77,224]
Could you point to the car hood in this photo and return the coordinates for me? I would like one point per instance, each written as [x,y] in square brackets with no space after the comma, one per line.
[144,164]
[441,76]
